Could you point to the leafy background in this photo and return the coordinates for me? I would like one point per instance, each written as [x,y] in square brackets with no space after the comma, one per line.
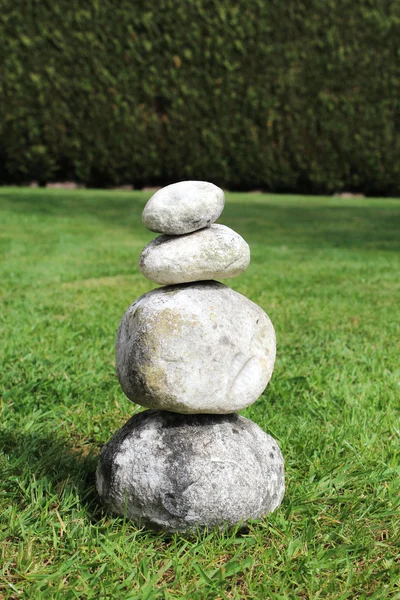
[275,95]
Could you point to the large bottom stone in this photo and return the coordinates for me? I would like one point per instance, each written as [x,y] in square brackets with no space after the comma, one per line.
[179,472]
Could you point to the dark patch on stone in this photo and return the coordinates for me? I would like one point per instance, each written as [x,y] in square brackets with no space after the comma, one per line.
[171,420]
[172,502]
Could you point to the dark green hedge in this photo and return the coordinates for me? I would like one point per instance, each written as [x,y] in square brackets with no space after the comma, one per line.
[276,94]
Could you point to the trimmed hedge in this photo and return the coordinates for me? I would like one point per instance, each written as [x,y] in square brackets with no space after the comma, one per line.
[285,96]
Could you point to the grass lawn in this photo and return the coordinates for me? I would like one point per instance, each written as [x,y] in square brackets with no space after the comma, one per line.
[327,272]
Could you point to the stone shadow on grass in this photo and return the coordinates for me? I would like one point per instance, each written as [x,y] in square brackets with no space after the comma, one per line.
[47,457]
[44,456]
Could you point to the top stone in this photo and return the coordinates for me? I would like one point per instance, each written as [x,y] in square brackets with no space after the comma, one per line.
[183,207]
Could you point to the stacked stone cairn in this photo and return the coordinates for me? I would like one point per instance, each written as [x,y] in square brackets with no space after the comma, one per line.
[194,352]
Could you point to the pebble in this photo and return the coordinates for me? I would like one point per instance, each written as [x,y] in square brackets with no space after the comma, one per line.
[216,252]
[183,207]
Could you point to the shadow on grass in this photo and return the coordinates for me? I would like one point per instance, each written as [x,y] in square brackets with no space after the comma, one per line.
[295,221]
[46,460]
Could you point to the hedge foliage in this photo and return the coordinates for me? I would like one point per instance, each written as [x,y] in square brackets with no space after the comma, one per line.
[281,95]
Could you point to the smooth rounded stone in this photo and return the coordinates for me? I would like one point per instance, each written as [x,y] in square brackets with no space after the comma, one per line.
[183,207]
[217,252]
[181,472]
[195,348]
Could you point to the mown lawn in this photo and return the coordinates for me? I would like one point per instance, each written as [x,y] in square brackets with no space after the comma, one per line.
[327,271]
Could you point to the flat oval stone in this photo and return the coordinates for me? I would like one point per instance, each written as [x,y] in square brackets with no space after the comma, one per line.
[181,472]
[195,348]
[213,253]
[183,207]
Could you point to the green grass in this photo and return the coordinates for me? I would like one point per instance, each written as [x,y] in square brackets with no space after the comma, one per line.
[327,271]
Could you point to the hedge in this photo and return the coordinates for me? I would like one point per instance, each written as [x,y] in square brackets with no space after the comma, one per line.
[284,96]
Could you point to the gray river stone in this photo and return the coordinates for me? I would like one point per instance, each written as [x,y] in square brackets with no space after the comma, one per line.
[216,252]
[183,207]
[195,348]
[181,472]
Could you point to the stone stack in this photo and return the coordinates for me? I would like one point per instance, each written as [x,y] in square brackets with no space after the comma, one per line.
[193,352]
